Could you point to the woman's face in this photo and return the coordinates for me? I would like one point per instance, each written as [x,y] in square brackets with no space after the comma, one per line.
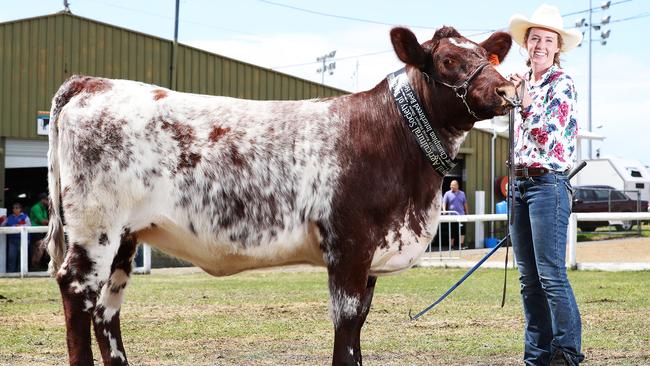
[542,46]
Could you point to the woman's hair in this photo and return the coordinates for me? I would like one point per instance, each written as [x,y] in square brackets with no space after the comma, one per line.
[560,43]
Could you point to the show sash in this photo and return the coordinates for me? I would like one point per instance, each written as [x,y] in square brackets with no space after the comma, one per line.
[417,121]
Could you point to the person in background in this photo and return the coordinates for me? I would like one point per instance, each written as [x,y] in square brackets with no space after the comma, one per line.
[545,151]
[39,216]
[455,200]
[16,218]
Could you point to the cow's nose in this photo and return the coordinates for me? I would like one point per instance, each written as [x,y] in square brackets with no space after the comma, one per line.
[508,93]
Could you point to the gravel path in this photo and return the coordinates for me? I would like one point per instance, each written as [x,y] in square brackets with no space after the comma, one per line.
[615,254]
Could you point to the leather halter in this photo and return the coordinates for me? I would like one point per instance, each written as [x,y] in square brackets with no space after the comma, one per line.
[461,89]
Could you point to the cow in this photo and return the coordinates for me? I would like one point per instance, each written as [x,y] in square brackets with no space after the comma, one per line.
[231,184]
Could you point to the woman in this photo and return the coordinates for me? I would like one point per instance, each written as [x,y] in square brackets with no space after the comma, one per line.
[545,145]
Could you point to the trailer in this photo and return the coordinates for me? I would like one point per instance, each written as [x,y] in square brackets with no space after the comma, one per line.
[627,175]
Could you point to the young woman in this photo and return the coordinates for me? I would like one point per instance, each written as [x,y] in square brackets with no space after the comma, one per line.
[545,152]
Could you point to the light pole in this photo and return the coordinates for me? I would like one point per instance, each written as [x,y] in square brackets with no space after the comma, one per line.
[327,67]
[581,23]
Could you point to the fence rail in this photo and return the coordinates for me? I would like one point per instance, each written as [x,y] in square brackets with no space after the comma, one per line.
[24,232]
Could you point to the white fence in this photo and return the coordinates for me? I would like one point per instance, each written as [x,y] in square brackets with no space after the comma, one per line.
[572,234]
[146,268]
[24,232]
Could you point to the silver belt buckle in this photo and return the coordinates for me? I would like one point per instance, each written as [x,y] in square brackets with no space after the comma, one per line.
[526,172]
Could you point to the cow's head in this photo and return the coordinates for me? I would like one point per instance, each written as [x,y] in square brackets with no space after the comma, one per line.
[449,60]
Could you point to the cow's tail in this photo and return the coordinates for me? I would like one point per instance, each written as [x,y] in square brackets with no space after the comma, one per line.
[55,236]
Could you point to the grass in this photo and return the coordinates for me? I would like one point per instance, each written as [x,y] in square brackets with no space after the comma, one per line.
[609,232]
[272,317]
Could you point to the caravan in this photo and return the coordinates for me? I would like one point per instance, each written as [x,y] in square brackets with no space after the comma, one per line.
[622,174]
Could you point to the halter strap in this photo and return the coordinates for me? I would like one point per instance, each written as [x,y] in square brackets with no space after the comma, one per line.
[461,89]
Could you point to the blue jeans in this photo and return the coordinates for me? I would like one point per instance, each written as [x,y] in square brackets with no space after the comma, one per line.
[13,253]
[542,206]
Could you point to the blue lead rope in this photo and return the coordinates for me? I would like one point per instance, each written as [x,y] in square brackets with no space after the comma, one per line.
[469,273]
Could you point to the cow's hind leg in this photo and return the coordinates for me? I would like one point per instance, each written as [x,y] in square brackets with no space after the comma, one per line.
[74,278]
[96,263]
[106,319]
[351,294]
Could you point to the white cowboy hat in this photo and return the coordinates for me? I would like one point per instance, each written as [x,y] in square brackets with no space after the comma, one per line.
[546,16]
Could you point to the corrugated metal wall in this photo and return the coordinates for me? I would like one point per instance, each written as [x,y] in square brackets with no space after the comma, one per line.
[38,54]
[478,170]
[198,72]
[477,163]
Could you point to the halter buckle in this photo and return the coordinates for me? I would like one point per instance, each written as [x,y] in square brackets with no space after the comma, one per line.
[460,94]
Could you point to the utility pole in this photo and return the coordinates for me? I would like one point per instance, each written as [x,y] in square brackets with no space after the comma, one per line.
[326,67]
[589,83]
[581,24]
[172,69]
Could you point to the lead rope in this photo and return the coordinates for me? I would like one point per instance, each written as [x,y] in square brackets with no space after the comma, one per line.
[510,192]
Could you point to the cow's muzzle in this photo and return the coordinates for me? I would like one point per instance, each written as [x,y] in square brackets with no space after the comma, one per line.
[509,95]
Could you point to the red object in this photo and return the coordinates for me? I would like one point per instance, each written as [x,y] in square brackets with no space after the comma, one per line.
[502,186]
[494,59]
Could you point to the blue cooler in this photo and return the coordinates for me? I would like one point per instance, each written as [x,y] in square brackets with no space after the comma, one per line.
[491,242]
[501,207]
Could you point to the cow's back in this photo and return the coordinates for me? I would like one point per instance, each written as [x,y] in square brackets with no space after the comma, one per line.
[226,176]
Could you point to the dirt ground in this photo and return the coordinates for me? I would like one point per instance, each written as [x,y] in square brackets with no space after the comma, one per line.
[615,254]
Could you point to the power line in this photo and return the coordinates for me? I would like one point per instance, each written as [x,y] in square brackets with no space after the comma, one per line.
[338,59]
[210,26]
[642,15]
[595,8]
[353,18]
[479,31]
[358,56]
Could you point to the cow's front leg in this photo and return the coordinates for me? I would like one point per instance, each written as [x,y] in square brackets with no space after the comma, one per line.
[350,295]
[365,302]
[106,319]
[79,296]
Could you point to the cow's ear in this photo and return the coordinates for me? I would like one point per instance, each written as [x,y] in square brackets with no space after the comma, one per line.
[498,45]
[407,47]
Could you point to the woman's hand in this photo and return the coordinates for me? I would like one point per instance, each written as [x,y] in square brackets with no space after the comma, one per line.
[518,80]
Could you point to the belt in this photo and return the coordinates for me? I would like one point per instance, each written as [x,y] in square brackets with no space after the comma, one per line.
[525,172]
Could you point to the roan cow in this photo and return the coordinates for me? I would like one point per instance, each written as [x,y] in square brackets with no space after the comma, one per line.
[232,184]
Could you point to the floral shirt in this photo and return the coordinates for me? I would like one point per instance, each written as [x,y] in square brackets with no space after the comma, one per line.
[546,132]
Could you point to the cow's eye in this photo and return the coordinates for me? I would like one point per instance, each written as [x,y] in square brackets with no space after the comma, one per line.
[448,62]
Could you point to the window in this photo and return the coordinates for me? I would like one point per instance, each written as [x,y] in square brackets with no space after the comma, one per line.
[634,173]
[601,194]
[618,196]
[585,195]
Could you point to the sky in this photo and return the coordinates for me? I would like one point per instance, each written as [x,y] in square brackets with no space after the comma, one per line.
[289,35]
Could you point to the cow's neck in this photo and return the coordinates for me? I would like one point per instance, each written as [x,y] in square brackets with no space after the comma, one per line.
[373,116]
[444,110]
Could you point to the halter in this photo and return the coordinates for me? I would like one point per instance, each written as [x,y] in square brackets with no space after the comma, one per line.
[461,89]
